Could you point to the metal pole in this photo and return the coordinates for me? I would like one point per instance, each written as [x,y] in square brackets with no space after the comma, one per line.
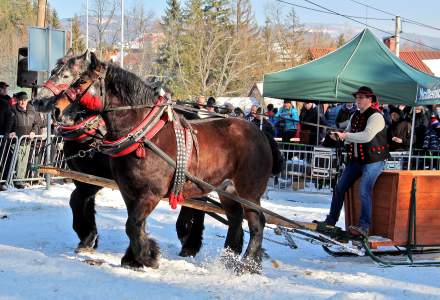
[397,35]
[317,127]
[71,33]
[49,117]
[122,33]
[87,24]
[412,137]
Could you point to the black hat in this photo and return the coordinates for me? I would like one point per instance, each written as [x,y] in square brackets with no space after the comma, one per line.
[21,95]
[396,110]
[365,90]
[3,84]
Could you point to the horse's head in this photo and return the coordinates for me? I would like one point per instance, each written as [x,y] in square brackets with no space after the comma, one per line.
[61,77]
[83,97]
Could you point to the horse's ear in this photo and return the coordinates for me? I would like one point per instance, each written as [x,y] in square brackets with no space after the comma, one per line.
[86,55]
[93,60]
[69,53]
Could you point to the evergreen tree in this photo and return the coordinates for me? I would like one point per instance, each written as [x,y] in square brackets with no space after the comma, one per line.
[340,41]
[169,54]
[54,20]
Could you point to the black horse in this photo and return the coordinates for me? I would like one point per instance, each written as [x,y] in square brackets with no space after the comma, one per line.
[231,154]
[77,139]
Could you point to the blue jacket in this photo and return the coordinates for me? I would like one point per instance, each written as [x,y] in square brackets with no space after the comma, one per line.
[331,115]
[287,119]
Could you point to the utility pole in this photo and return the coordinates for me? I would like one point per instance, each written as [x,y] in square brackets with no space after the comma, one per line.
[397,35]
[87,24]
[122,33]
[41,13]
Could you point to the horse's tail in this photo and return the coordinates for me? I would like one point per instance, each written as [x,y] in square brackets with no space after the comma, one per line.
[277,157]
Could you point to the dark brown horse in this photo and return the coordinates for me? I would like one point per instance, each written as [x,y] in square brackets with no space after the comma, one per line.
[189,224]
[232,154]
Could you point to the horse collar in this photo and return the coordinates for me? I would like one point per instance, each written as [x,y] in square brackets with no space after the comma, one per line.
[147,129]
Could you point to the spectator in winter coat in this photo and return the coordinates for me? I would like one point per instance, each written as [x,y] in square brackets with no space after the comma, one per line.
[432,137]
[6,115]
[399,131]
[344,114]
[26,122]
[420,126]
[238,112]
[331,114]
[287,118]
[255,118]
[309,114]
[6,121]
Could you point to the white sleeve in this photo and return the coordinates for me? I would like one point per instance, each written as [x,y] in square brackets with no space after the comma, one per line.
[375,124]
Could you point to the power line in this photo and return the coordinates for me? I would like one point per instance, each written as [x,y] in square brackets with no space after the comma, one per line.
[365,24]
[407,20]
[326,12]
[420,24]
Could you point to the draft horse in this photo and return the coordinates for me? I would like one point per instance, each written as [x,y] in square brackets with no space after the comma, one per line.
[78,138]
[229,153]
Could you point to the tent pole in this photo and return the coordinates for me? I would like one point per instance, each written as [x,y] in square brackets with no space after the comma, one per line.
[412,137]
[317,127]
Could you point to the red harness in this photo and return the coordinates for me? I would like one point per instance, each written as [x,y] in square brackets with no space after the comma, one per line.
[56,89]
[82,131]
[134,139]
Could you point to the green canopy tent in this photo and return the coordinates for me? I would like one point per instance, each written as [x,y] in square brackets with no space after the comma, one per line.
[364,60]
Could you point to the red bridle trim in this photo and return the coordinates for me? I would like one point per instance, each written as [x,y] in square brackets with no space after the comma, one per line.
[56,89]
[149,135]
[78,126]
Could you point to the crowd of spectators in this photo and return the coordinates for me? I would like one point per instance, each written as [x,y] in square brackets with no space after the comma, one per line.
[303,122]
[308,122]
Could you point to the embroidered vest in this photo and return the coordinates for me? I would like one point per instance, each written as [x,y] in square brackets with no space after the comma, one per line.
[373,151]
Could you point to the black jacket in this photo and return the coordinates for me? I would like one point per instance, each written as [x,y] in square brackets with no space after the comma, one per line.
[26,121]
[6,116]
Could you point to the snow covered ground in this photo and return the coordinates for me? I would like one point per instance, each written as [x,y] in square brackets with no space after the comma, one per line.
[37,260]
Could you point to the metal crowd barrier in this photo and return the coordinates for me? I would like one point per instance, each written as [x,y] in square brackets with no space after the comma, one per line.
[306,168]
[314,169]
[21,156]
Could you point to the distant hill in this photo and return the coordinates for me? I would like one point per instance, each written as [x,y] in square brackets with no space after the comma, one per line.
[333,30]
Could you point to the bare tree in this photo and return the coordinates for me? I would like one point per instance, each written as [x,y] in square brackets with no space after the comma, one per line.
[102,13]
[139,34]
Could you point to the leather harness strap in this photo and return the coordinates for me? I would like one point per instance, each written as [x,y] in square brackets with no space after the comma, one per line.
[56,89]
[84,130]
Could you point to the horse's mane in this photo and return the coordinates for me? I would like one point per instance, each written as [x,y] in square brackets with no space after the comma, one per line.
[131,89]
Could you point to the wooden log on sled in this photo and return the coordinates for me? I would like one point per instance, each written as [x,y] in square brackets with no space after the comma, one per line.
[197,204]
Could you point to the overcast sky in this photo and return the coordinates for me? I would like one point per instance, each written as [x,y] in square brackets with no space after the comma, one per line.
[425,11]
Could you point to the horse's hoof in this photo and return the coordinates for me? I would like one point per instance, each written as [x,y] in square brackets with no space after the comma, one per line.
[186,252]
[84,249]
[251,266]
[131,264]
